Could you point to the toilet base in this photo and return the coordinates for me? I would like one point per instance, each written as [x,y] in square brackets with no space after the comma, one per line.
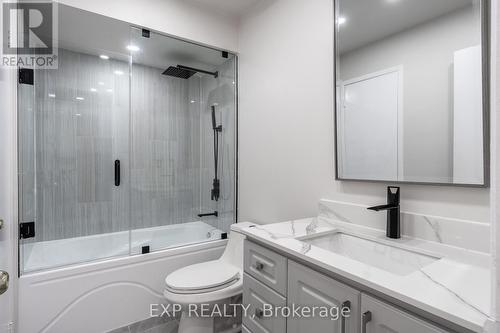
[196,324]
[204,325]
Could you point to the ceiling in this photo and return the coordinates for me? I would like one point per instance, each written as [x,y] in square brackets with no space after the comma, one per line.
[90,33]
[233,8]
[367,21]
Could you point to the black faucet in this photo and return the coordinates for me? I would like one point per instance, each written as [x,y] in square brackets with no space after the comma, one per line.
[393,215]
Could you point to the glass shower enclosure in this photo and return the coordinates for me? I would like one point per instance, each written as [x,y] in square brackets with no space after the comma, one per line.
[128,147]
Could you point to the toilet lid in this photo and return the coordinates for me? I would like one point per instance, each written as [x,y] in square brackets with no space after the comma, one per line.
[203,277]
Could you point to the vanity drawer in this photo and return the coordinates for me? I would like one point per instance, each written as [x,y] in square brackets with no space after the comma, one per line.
[380,317]
[255,295]
[266,266]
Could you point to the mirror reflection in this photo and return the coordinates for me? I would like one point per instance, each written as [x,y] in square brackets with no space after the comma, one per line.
[410,91]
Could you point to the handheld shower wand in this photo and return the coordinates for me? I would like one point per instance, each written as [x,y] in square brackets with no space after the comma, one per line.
[215,193]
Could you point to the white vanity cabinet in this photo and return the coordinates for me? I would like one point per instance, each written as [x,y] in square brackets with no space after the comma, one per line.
[273,279]
[256,295]
[264,283]
[380,317]
[266,266]
[309,288]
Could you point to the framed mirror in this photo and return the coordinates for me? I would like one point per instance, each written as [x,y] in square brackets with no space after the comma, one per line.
[412,91]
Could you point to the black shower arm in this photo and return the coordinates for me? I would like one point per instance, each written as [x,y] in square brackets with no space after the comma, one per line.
[214,74]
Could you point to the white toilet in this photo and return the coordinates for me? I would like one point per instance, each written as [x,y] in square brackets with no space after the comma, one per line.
[212,282]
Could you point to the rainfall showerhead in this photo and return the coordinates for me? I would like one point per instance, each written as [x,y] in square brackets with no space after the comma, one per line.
[179,72]
[185,72]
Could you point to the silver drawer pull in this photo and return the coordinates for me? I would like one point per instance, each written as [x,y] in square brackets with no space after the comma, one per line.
[4,282]
[259,266]
[259,313]
[345,305]
[366,318]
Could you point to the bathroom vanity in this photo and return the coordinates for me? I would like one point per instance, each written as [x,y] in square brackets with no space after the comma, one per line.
[386,285]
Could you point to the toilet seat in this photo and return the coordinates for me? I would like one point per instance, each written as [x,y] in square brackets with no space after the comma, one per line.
[202,278]
[208,285]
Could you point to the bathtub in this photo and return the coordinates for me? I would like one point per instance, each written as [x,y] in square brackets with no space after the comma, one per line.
[62,252]
[98,296]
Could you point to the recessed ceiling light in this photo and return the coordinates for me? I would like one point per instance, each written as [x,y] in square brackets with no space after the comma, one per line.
[93,89]
[100,83]
[78,114]
[118,72]
[52,95]
[133,48]
[109,90]
[103,56]
[78,98]
[193,101]
[341,20]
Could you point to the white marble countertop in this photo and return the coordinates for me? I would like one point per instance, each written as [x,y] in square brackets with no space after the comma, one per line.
[456,287]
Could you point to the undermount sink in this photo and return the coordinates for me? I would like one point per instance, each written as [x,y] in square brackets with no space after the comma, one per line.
[389,258]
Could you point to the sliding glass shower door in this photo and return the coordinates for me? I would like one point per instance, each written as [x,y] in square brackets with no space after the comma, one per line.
[73,126]
[179,91]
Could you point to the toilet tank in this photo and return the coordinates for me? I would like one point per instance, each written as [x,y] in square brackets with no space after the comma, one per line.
[233,253]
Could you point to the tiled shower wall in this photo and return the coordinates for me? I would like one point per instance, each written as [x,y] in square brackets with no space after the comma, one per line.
[164,143]
[172,152]
[165,152]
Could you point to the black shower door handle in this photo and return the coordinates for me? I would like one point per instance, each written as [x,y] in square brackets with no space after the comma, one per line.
[117,173]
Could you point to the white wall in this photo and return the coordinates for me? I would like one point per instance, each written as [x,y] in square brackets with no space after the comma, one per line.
[426,55]
[175,17]
[286,136]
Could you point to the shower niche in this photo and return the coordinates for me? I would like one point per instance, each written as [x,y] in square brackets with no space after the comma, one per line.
[129,146]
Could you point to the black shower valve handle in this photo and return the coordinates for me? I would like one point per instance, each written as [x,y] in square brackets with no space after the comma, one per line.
[215,193]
